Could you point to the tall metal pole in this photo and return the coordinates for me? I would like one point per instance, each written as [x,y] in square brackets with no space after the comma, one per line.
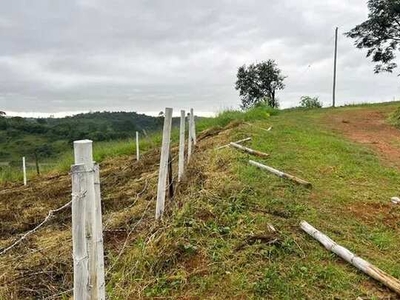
[334,68]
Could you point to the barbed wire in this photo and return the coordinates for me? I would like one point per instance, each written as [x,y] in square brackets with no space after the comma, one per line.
[127,238]
[81,195]
[107,222]
[48,217]
[58,294]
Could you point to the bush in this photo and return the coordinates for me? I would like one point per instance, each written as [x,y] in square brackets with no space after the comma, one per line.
[258,112]
[310,102]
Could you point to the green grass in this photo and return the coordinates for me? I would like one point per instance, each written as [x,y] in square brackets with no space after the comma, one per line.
[101,151]
[350,184]
[200,250]
[225,117]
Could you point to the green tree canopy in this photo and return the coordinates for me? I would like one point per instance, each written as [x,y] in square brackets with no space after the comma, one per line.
[259,82]
[380,34]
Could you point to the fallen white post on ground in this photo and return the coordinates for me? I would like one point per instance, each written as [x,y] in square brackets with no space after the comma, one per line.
[137,145]
[396,200]
[24,169]
[280,174]
[269,129]
[181,163]
[237,142]
[248,150]
[163,172]
[359,263]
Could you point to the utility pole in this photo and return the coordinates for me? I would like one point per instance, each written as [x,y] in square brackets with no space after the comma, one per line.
[334,68]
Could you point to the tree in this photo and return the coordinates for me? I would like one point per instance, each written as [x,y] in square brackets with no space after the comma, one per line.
[380,34]
[2,113]
[258,83]
[310,102]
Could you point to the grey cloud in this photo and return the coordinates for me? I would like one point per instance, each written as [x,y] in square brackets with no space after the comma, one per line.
[142,55]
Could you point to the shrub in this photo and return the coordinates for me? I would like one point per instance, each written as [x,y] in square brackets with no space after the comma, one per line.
[310,102]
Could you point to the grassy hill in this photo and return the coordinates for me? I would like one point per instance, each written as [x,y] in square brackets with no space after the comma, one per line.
[50,140]
[50,136]
[214,241]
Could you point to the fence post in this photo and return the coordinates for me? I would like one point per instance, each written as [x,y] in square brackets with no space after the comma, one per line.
[80,255]
[170,178]
[181,164]
[24,169]
[84,155]
[193,127]
[36,163]
[99,235]
[137,145]
[162,175]
[190,140]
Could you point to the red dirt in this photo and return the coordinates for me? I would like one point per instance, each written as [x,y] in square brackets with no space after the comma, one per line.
[368,126]
[373,212]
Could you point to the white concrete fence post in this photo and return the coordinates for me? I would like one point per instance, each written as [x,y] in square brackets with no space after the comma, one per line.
[190,139]
[92,217]
[24,169]
[193,127]
[163,172]
[137,145]
[181,164]
[101,285]
[80,255]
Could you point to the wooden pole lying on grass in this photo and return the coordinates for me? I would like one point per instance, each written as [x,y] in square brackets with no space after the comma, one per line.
[280,174]
[137,145]
[359,263]
[24,169]
[237,142]
[248,150]
[163,172]
[181,163]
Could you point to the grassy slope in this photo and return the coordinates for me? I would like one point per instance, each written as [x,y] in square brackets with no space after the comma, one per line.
[349,202]
[199,250]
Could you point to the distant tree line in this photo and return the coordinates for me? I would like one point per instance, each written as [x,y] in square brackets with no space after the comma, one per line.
[48,136]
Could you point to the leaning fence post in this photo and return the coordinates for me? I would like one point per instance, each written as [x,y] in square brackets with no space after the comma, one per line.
[162,175]
[99,235]
[24,169]
[181,163]
[80,255]
[83,154]
[193,127]
[190,139]
[137,145]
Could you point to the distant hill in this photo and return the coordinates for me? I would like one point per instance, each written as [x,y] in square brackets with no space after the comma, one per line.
[50,136]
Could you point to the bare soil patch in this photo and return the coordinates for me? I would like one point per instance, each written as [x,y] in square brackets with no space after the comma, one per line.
[369,126]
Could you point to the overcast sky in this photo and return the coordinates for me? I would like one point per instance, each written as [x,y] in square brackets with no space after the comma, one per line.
[59,56]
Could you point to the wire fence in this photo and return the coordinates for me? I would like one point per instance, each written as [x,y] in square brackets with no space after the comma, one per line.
[171,185]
